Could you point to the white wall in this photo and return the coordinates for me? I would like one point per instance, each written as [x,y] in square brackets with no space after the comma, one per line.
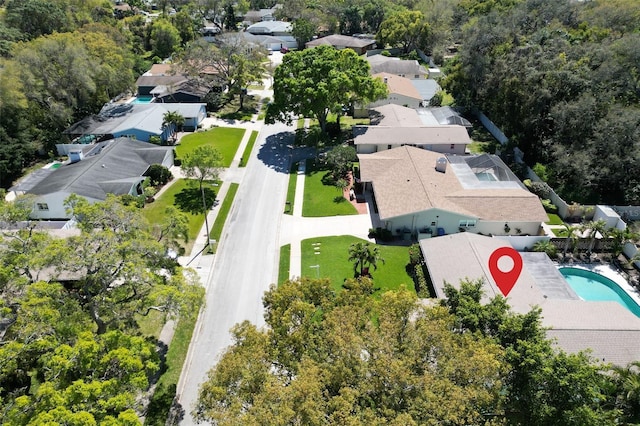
[442,148]
[497,227]
[55,205]
[522,243]
[397,99]
[607,214]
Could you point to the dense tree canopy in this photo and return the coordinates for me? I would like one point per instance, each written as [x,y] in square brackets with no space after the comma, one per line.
[348,358]
[560,78]
[319,81]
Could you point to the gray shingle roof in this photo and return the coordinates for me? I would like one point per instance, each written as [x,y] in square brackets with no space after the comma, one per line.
[419,135]
[111,167]
[610,330]
[341,41]
[408,68]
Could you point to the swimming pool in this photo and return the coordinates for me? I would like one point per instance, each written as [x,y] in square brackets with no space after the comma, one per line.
[486,177]
[591,286]
[143,100]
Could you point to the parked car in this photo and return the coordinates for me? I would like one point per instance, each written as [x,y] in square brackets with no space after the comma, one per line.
[284,50]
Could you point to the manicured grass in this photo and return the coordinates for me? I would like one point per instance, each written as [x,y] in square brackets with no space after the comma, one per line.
[323,200]
[346,121]
[291,190]
[333,263]
[151,324]
[224,139]
[221,218]
[165,391]
[285,263]
[247,150]
[560,233]
[554,219]
[300,123]
[185,195]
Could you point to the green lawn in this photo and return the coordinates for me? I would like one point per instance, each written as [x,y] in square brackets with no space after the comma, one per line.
[224,139]
[285,263]
[185,195]
[332,262]
[291,190]
[554,219]
[346,121]
[167,384]
[247,150]
[320,199]
[221,218]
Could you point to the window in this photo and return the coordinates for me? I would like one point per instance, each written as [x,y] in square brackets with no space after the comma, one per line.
[467,223]
[453,146]
[42,206]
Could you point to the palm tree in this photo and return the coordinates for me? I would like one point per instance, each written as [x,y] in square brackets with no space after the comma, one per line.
[547,247]
[172,119]
[570,241]
[364,257]
[593,228]
[627,380]
[620,238]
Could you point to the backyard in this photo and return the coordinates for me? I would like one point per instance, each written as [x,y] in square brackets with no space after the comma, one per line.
[327,257]
[224,139]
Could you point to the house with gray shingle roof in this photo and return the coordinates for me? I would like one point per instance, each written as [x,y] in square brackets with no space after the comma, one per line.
[426,193]
[609,330]
[359,45]
[408,68]
[115,166]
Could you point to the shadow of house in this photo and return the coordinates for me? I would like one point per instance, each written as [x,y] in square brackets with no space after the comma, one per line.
[116,166]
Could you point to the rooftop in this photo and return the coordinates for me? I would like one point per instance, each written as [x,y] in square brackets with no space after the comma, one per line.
[606,327]
[399,85]
[405,181]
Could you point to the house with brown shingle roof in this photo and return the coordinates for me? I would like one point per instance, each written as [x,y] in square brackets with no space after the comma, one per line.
[400,92]
[359,45]
[425,193]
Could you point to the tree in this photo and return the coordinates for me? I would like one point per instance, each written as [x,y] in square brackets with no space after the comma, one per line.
[620,237]
[364,257]
[173,120]
[570,240]
[345,359]
[203,163]
[35,18]
[158,175]
[407,30]
[591,230]
[303,30]
[339,158]
[165,38]
[115,264]
[315,82]
[230,63]
[546,246]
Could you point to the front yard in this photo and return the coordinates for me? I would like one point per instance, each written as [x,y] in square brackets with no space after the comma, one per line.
[322,199]
[224,139]
[327,257]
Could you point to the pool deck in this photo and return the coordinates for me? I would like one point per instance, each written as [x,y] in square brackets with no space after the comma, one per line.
[608,329]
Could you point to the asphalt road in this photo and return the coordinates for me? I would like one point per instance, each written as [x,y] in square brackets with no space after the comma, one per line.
[246,262]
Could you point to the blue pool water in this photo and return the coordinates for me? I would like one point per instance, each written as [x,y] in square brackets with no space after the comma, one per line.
[142,100]
[486,177]
[595,287]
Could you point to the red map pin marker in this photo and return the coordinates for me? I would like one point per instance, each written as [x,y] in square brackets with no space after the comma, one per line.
[505,280]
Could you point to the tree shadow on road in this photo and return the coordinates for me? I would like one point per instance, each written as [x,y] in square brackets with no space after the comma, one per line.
[276,151]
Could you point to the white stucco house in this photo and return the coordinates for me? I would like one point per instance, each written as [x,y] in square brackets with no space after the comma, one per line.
[443,139]
[424,193]
[400,92]
[116,166]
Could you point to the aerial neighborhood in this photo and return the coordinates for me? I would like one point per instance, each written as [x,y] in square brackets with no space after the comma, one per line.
[290,212]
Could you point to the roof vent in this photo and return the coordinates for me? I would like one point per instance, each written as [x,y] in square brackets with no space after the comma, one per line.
[441,165]
[75,156]
[386,80]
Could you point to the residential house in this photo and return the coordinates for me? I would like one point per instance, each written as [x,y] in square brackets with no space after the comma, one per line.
[400,92]
[115,166]
[272,28]
[607,329]
[423,193]
[186,92]
[139,121]
[408,68]
[359,45]
[443,139]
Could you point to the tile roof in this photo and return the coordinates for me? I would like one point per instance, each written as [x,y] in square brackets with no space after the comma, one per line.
[606,327]
[399,85]
[405,181]
[112,166]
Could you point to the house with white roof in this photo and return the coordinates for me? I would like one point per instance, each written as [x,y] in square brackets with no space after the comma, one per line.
[408,68]
[115,166]
[424,193]
[607,329]
[139,121]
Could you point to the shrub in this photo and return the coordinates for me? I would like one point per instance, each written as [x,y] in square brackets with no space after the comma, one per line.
[415,254]
[156,140]
[422,286]
[541,189]
[549,207]
[158,175]
[541,171]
